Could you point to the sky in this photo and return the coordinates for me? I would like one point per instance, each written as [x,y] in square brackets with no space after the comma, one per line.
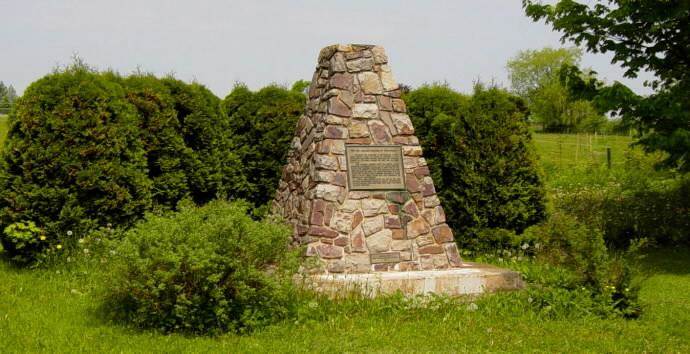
[221,42]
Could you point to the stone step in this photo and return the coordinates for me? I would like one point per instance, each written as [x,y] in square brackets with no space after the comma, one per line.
[469,279]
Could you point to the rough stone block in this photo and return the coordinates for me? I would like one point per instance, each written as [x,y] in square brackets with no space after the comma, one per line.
[370,83]
[329,251]
[442,233]
[380,241]
[372,225]
[365,110]
[322,231]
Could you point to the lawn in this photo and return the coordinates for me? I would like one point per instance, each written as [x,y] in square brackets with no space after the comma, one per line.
[58,310]
[565,150]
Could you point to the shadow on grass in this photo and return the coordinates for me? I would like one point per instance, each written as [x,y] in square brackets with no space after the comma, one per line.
[667,260]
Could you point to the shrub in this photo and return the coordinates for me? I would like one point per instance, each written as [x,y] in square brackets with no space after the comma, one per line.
[480,153]
[262,124]
[166,152]
[72,160]
[567,266]
[564,242]
[24,238]
[628,202]
[214,168]
[186,138]
[205,270]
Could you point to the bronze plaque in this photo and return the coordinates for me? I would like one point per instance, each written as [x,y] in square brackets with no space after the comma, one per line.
[375,167]
[388,257]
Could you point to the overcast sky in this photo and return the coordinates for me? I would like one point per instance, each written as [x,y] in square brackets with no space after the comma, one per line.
[218,43]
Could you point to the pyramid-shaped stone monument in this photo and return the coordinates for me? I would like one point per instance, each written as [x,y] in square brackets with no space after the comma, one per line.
[356,187]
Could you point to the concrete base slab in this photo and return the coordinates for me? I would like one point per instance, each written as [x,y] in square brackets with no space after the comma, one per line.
[470,279]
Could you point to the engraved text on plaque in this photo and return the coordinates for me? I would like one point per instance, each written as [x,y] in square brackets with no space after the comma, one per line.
[375,167]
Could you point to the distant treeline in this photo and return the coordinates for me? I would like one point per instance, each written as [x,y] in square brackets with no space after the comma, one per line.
[7,97]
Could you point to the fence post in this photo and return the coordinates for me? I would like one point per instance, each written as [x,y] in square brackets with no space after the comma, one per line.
[608,157]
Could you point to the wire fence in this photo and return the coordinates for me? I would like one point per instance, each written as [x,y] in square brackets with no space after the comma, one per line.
[575,149]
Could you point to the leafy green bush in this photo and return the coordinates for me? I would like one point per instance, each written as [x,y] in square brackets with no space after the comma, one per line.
[567,264]
[214,168]
[73,159]
[481,158]
[631,202]
[564,242]
[187,140]
[168,158]
[659,212]
[205,270]
[25,238]
[262,124]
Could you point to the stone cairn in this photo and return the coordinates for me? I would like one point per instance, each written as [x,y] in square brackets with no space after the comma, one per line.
[354,100]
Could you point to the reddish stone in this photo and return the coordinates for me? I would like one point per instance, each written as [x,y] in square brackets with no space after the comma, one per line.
[411,183]
[395,197]
[316,218]
[318,205]
[322,231]
[440,214]
[442,234]
[342,81]
[328,214]
[386,118]
[335,132]
[378,132]
[393,208]
[428,189]
[431,249]
[357,218]
[422,171]
[391,222]
[329,251]
[358,241]
[340,179]
[337,107]
[341,241]
[411,209]
[385,103]
[453,255]
[381,267]
[328,241]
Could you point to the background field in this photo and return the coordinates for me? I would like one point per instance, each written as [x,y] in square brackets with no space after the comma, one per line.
[58,310]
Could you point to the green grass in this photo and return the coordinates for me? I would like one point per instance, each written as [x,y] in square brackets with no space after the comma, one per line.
[58,311]
[575,149]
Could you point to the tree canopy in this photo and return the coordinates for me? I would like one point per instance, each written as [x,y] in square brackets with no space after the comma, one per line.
[535,76]
[642,35]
